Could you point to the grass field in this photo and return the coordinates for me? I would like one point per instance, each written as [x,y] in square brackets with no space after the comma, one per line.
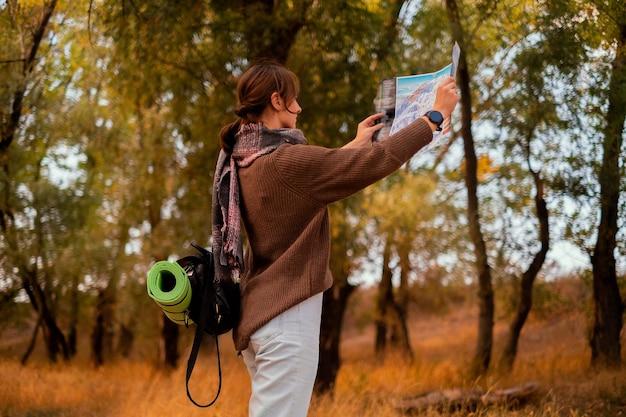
[553,353]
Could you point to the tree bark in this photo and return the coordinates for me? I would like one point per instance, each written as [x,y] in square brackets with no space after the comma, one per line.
[608,308]
[391,310]
[169,342]
[53,337]
[97,334]
[384,300]
[31,344]
[268,35]
[72,332]
[126,339]
[333,309]
[401,305]
[482,357]
[104,325]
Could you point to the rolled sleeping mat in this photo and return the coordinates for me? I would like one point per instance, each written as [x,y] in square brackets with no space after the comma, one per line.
[169,287]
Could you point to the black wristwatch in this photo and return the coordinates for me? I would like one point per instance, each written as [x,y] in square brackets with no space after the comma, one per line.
[435,118]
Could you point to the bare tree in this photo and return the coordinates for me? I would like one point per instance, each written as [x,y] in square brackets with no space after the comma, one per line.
[608,307]
[482,356]
[10,116]
[528,277]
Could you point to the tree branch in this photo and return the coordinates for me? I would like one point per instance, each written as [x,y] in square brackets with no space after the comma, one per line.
[12,61]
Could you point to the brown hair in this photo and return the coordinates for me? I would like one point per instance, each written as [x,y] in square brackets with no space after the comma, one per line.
[254,92]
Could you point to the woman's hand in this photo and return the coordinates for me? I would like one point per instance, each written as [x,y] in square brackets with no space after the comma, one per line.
[365,132]
[445,101]
[446,97]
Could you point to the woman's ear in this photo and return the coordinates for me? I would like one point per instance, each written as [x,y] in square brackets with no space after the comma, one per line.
[276,101]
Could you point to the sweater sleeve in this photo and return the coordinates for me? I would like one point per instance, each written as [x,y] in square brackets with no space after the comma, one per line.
[327,175]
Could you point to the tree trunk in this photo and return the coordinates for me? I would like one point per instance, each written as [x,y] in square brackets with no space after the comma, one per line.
[31,344]
[126,339]
[73,319]
[53,337]
[608,309]
[97,335]
[401,305]
[55,340]
[333,309]
[104,330]
[271,36]
[105,318]
[391,313]
[484,344]
[384,300]
[104,326]
[169,342]
[528,279]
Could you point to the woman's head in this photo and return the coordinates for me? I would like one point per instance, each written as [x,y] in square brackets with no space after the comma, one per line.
[255,92]
[257,84]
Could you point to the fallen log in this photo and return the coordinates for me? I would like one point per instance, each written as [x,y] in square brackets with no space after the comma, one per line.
[466,399]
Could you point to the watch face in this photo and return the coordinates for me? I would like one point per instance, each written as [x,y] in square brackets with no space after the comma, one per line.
[435,117]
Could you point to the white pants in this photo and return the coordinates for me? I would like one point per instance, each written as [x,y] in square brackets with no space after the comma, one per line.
[282,360]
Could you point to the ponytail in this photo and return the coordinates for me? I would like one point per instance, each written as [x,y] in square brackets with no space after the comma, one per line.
[227,136]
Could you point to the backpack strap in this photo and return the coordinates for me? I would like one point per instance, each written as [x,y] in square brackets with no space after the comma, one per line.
[191,363]
[197,340]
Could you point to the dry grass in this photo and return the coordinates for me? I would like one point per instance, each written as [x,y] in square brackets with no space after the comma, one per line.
[553,353]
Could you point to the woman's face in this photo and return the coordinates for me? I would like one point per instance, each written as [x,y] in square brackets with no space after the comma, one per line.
[289,115]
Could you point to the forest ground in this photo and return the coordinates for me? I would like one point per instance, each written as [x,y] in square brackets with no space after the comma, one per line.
[553,353]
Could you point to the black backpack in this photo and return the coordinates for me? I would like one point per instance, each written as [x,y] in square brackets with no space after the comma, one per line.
[215,311]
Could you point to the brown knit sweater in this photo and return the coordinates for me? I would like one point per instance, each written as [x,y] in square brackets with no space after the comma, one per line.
[284,209]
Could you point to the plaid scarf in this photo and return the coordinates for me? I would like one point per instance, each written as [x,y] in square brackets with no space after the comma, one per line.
[252,141]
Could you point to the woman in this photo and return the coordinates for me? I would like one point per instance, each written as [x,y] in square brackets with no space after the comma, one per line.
[279,187]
